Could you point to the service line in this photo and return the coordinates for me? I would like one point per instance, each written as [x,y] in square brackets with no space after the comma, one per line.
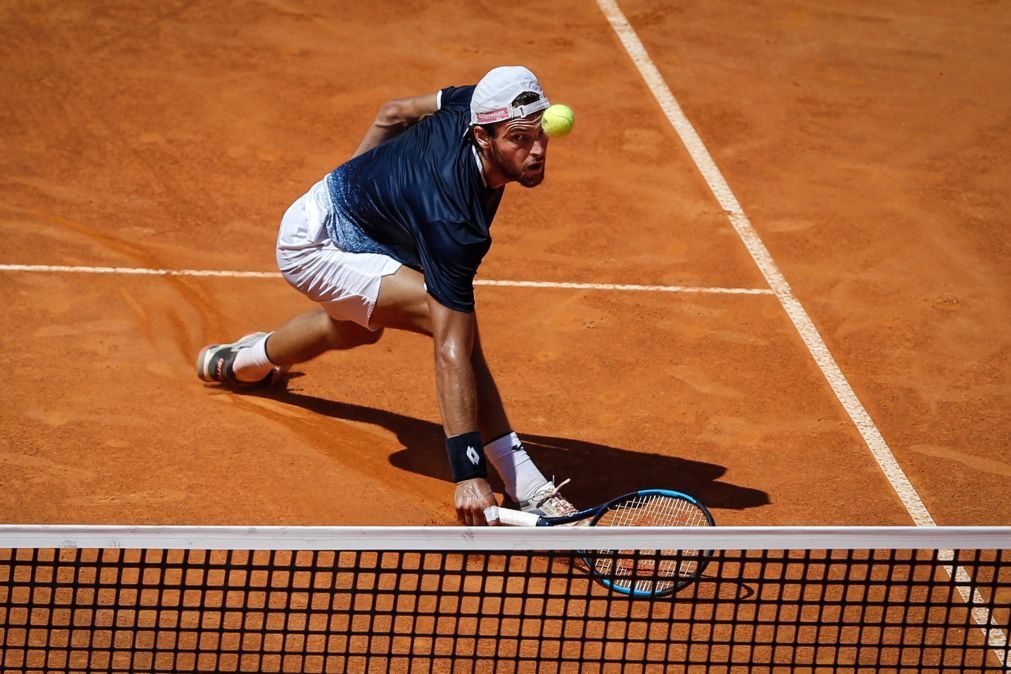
[142,271]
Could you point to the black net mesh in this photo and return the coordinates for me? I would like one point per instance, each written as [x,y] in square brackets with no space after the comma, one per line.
[116,610]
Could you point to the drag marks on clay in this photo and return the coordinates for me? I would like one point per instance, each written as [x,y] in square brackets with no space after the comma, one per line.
[181,333]
[41,470]
[137,498]
[976,463]
[697,379]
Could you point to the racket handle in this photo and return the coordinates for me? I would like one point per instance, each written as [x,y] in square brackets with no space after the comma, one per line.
[515,518]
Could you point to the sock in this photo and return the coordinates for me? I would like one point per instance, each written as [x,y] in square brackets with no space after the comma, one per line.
[517,470]
[251,363]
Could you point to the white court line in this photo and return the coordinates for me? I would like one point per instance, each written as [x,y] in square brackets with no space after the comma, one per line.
[625,286]
[136,271]
[760,254]
[808,332]
[140,271]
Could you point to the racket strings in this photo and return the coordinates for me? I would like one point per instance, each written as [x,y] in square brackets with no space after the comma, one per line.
[651,571]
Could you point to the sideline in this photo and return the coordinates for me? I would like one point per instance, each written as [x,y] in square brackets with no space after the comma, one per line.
[760,254]
[992,631]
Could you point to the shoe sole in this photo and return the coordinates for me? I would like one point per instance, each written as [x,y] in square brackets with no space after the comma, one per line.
[204,357]
[203,362]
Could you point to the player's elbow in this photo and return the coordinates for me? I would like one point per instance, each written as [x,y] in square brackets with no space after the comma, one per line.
[393,113]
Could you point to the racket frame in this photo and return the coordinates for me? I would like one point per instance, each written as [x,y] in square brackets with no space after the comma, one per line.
[608,581]
[520,518]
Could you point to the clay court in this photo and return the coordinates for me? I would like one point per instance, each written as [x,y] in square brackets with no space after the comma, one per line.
[867,147]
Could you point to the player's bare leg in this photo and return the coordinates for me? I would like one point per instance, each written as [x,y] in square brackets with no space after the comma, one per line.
[259,358]
[402,303]
[313,333]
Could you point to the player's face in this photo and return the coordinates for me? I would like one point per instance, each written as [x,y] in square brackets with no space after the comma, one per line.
[519,150]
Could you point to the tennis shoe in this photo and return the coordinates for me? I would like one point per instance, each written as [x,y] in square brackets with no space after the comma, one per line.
[548,502]
[216,363]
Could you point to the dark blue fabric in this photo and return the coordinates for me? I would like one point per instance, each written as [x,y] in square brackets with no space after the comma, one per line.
[420,199]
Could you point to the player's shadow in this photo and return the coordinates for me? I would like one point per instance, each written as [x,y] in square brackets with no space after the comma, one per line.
[598,472]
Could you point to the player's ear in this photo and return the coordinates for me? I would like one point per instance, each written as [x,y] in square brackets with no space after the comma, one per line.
[481,136]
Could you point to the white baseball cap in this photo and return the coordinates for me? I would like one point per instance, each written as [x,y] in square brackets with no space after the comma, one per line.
[494,95]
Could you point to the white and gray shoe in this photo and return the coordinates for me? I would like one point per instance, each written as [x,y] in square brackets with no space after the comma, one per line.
[548,502]
[216,362]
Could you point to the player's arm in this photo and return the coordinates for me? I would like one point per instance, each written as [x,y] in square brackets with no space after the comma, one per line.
[456,386]
[395,117]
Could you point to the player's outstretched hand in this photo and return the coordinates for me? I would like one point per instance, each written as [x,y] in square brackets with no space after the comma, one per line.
[472,497]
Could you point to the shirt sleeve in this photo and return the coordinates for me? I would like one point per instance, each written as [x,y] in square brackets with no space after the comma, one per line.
[456,98]
[450,255]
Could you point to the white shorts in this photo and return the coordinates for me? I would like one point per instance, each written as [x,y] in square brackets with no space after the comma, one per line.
[345,284]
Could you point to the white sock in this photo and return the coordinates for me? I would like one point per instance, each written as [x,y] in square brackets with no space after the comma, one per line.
[251,363]
[517,470]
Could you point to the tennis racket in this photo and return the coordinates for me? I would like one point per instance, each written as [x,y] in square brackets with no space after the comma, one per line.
[637,573]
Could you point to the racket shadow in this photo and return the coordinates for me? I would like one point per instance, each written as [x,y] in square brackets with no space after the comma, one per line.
[597,471]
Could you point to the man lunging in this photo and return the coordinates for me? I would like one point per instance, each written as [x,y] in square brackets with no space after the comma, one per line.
[392,239]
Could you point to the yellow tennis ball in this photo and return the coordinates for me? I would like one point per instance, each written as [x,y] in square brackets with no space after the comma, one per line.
[558,120]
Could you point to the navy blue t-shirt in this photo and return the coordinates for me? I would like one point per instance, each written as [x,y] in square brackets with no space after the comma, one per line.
[420,198]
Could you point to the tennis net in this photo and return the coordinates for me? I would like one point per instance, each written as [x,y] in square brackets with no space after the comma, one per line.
[448,599]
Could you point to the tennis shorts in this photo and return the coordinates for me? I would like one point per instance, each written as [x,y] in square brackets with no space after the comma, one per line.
[345,284]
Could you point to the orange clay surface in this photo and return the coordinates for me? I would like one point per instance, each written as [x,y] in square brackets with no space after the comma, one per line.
[870,147]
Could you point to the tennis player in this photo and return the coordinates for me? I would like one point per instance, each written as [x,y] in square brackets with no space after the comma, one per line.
[392,239]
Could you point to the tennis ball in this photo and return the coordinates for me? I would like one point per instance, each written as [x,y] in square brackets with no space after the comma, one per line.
[558,120]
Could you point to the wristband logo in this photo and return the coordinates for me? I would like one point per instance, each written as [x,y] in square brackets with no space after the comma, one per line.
[472,454]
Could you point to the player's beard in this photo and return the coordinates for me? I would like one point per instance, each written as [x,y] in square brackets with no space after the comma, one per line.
[521,174]
[532,178]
